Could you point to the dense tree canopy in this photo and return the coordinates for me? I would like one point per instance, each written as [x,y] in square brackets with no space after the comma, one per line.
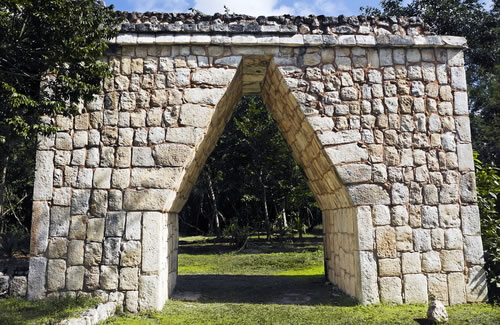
[49,62]
[251,179]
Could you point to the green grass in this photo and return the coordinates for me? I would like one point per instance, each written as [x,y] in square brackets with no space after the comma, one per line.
[292,263]
[178,312]
[14,311]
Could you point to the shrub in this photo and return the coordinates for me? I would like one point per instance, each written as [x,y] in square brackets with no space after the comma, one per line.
[488,189]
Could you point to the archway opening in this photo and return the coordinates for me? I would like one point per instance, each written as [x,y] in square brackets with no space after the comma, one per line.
[251,230]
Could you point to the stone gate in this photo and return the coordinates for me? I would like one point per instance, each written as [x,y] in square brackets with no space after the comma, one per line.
[374,110]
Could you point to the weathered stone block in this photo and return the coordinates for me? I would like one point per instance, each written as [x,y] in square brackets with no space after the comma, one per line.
[109,277]
[415,288]
[74,277]
[111,253]
[57,271]
[115,223]
[130,253]
[75,252]
[390,290]
[129,278]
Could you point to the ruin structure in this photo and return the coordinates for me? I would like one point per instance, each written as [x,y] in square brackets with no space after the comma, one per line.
[374,110]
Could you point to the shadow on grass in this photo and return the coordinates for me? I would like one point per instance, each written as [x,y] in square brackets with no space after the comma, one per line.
[16,311]
[254,246]
[259,289]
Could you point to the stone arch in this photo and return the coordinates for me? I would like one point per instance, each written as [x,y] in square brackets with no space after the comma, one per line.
[376,118]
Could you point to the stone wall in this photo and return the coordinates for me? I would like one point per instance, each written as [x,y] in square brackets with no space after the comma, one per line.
[375,111]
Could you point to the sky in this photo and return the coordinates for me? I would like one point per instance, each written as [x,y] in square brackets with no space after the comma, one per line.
[249,7]
[252,7]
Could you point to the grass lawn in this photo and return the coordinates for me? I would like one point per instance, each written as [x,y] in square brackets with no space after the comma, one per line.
[275,284]
[16,311]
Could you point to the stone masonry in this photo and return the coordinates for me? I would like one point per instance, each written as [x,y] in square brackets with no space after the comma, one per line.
[374,110]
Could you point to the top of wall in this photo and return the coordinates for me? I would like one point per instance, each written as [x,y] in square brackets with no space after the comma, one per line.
[286,30]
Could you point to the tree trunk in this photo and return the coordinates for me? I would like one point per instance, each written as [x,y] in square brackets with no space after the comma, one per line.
[266,211]
[3,178]
[211,194]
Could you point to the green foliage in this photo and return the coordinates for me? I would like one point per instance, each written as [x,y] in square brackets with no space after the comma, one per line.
[50,62]
[238,234]
[488,191]
[17,311]
[14,241]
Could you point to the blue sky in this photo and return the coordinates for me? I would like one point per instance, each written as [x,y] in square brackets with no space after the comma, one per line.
[252,7]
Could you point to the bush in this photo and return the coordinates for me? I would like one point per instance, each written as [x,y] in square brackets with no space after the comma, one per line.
[14,241]
[488,190]
[238,234]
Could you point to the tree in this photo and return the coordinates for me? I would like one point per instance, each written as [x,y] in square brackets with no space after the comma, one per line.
[49,63]
[250,180]
[481,28]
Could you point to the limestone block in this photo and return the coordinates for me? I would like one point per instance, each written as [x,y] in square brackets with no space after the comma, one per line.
[142,157]
[165,177]
[57,271]
[123,157]
[468,188]
[59,221]
[415,288]
[465,157]
[390,290]
[149,295]
[340,137]
[115,223]
[368,194]
[449,215]
[477,290]
[473,249]
[430,216]
[368,278]
[431,196]
[213,76]
[461,103]
[130,253]
[18,286]
[40,227]
[400,194]
[115,200]
[354,173]
[43,184]
[389,267]
[173,155]
[410,263]
[386,242]
[93,254]
[152,225]
[131,301]
[185,135]
[99,203]
[365,228]
[458,78]
[57,247]
[431,261]
[399,215]
[381,215]
[470,220]
[36,278]
[129,278]
[133,226]
[456,288]
[453,238]
[437,238]
[438,286]
[404,238]
[422,240]
[91,279]
[210,96]
[80,202]
[109,277]
[64,141]
[150,199]
[452,260]
[111,252]
[74,277]
[78,228]
[75,252]
[120,178]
